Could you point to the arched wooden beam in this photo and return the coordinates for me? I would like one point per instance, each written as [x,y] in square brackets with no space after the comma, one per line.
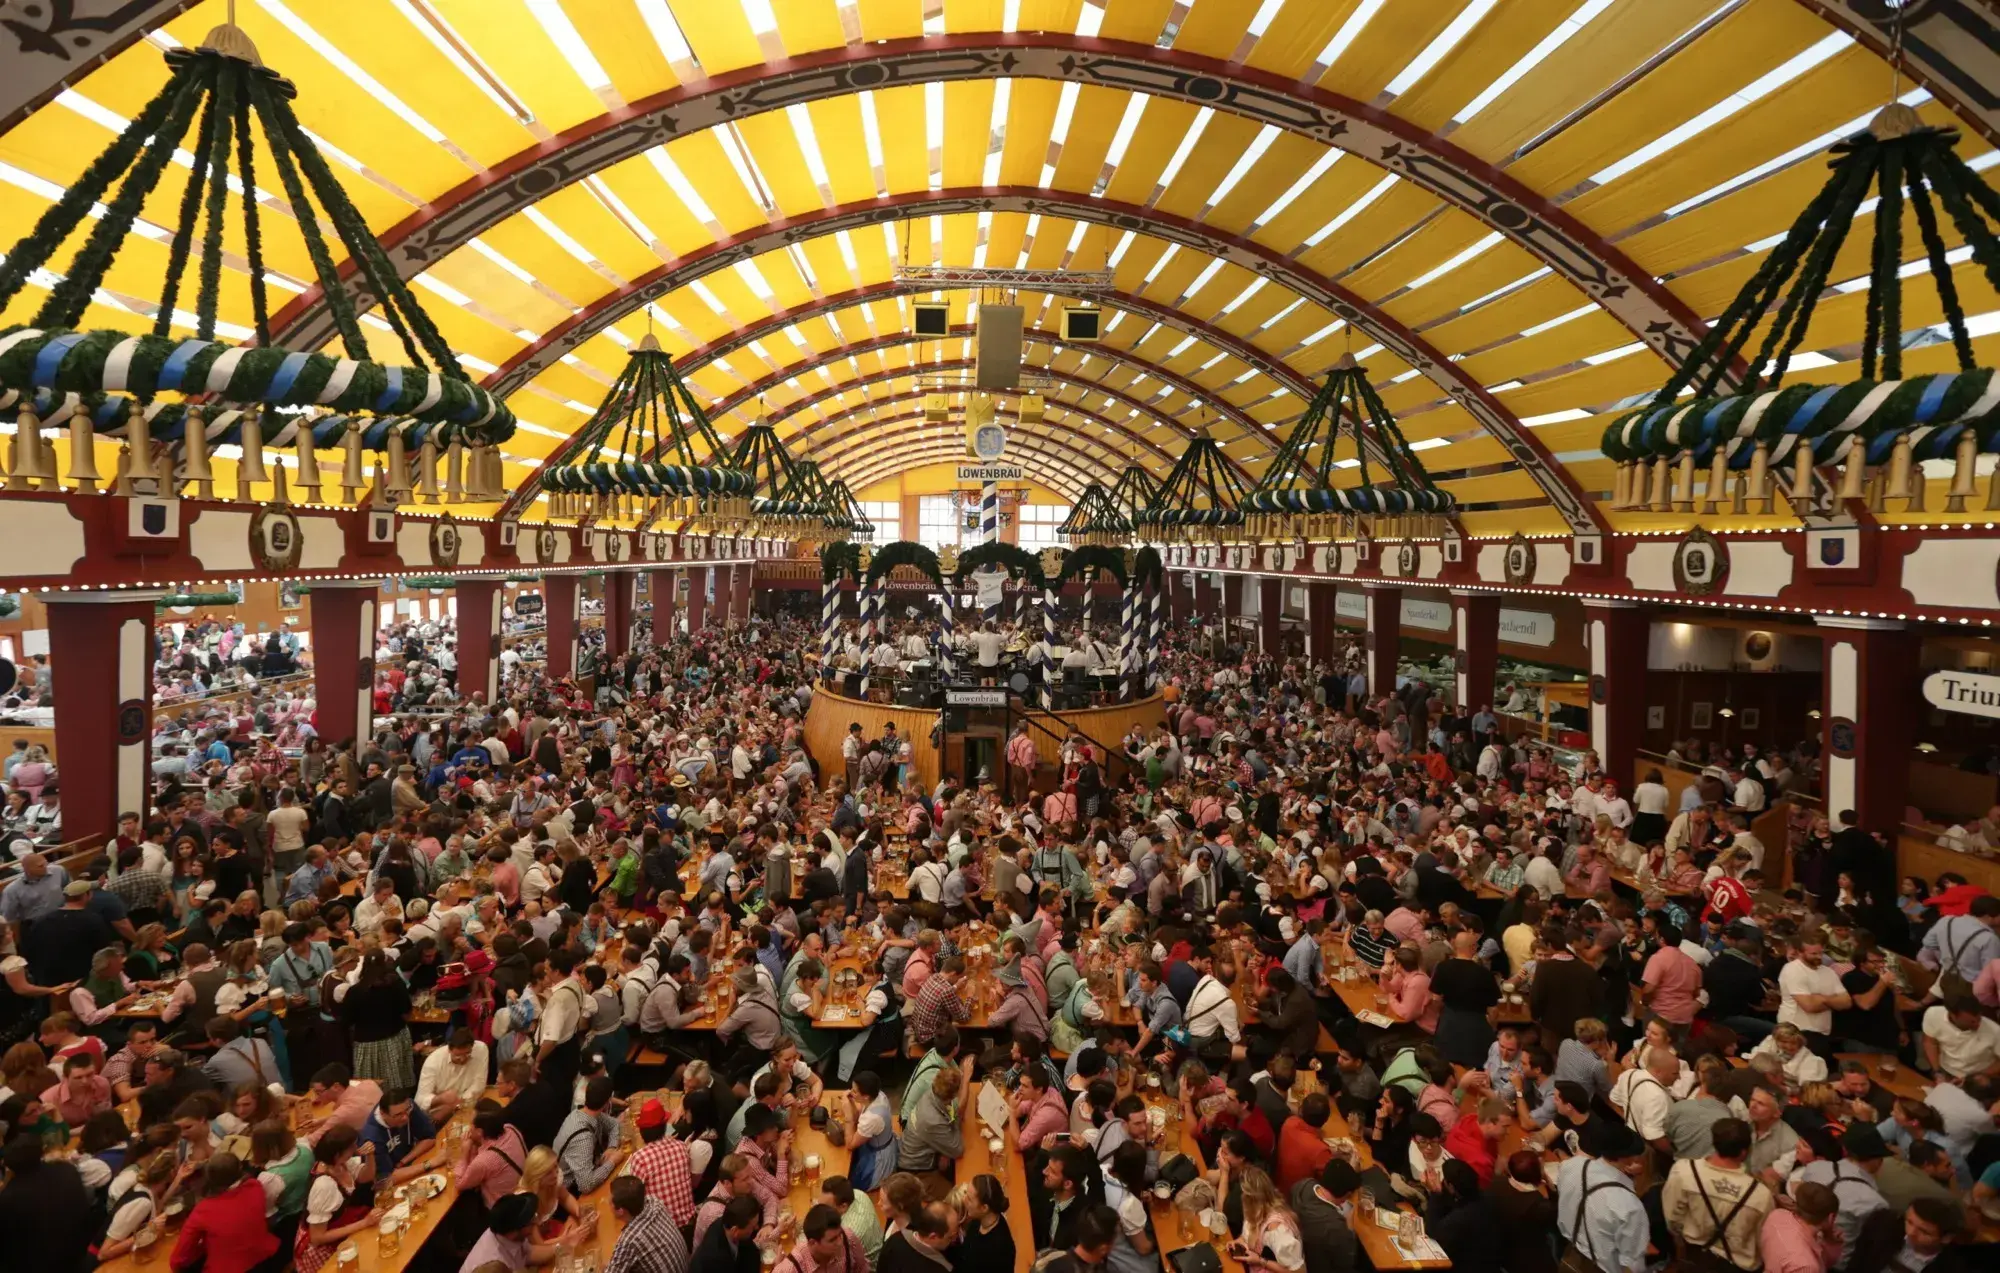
[801,440]
[873,461]
[1526,450]
[47,47]
[897,339]
[1114,459]
[1503,202]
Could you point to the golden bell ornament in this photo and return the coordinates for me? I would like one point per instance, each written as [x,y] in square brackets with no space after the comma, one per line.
[195,466]
[308,453]
[82,452]
[250,468]
[1964,473]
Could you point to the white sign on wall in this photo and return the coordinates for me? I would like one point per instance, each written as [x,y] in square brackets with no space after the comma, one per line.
[1430,616]
[1527,627]
[1974,693]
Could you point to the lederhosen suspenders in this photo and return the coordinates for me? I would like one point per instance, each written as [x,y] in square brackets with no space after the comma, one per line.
[1580,1241]
[1721,1233]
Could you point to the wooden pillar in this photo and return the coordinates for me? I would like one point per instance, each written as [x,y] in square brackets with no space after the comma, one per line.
[618,588]
[1617,634]
[697,598]
[479,636]
[1476,622]
[660,588]
[343,618]
[1322,603]
[1384,639]
[564,606]
[103,675]
[1869,703]
[1270,615]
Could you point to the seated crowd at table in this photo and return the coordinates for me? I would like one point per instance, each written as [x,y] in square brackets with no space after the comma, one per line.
[1330,978]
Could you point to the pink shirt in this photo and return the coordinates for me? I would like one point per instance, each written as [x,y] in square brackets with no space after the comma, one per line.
[1790,1245]
[1405,924]
[1675,980]
[1987,987]
[1411,999]
[1042,1118]
[353,1107]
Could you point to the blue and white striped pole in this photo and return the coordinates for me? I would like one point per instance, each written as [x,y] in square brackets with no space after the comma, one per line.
[829,620]
[1153,629]
[1125,647]
[946,622]
[989,513]
[1049,596]
[864,601]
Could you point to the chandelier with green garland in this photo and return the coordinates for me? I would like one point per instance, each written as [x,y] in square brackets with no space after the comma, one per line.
[1137,490]
[1296,496]
[173,400]
[1096,521]
[620,466]
[1201,499]
[1881,426]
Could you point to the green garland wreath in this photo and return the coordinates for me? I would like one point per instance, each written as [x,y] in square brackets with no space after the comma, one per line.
[905,552]
[1148,567]
[1018,562]
[1087,561]
[838,561]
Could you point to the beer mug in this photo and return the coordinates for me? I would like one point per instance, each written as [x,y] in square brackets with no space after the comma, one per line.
[143,1244]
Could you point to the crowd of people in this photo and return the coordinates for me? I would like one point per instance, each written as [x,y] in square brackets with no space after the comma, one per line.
[1372,952]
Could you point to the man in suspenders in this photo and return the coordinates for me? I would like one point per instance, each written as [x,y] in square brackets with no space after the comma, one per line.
[1716,1208]
[565,1020]
[1603,1223]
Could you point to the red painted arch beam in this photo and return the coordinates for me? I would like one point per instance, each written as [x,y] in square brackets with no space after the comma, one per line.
[1113,459]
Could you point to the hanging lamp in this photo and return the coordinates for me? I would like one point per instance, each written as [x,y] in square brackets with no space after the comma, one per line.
[174,400]
[772,471]
[1096,520]
[1136,490]
[649,412]
[1296,496]
[1879,427]
[1202,496]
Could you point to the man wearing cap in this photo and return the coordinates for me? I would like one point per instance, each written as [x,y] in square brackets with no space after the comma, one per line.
[1852,1181]
[1597,1209]
[60,945]
[663,1165]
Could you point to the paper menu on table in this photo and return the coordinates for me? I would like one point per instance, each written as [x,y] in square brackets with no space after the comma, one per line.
[993,1110]
[1367,1017]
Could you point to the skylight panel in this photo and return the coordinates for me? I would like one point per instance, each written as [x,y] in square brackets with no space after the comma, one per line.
[1559,320]
[618,209]
[352,69]
[753,278]
[934,127]
[1914,98]
[996,138]
[1577,21]
[1135,108]
[1065,111]
[1298,187]
[570,43]
[562,238]
[1265,13]
[802,128]
[762,20]
[1077,231]
[871,132]
[1350,31]
[1362,355]
[666,30]
[1353,210]
[442,289]
[1281,315]
[1118,253]
[1210,271]
[1555,417]
[1434,52]
[1186,147]
[1447,267]
[1430,444]
[1010,15]
[746,167]
[670,172]
[1161,264]
[1251,154]
[1187,343]
[1323,332]
[1762,86]
[1613,355]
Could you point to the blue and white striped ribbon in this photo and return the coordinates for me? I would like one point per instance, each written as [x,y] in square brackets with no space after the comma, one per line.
[989,513]
[1154,627]
[946,622]
[1127,609]
[1048,668]
[829,621]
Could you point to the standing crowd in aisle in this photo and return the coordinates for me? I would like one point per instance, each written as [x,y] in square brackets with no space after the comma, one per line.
[1299,954]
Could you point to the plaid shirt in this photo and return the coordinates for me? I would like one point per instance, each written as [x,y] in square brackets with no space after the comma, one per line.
[138,888]
[664,1169]
[651,1243]
[937,1003]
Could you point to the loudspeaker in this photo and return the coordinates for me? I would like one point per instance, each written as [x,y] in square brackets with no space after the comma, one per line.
[931,318]
[1084,323]
[910,694]
[999,347]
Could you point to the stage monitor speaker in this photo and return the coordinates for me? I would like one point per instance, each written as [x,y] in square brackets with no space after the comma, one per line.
[911,695]
[930,319]
[999,347]
[1081,324]
[1018,682]
[850,685]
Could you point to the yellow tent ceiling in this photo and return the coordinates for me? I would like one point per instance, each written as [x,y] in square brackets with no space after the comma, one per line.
[1687,133]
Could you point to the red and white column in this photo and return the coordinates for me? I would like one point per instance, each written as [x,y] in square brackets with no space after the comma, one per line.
[725,596]
[618,588]
[1271,615]
[1869,677]
[563,602]
[1476,623]
[1617,633]
[1384,638]
[479,603]
[104,706]
[343,614]
[660,586]
[697,598]
[746,575]
[1232,600]
[1322,605]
